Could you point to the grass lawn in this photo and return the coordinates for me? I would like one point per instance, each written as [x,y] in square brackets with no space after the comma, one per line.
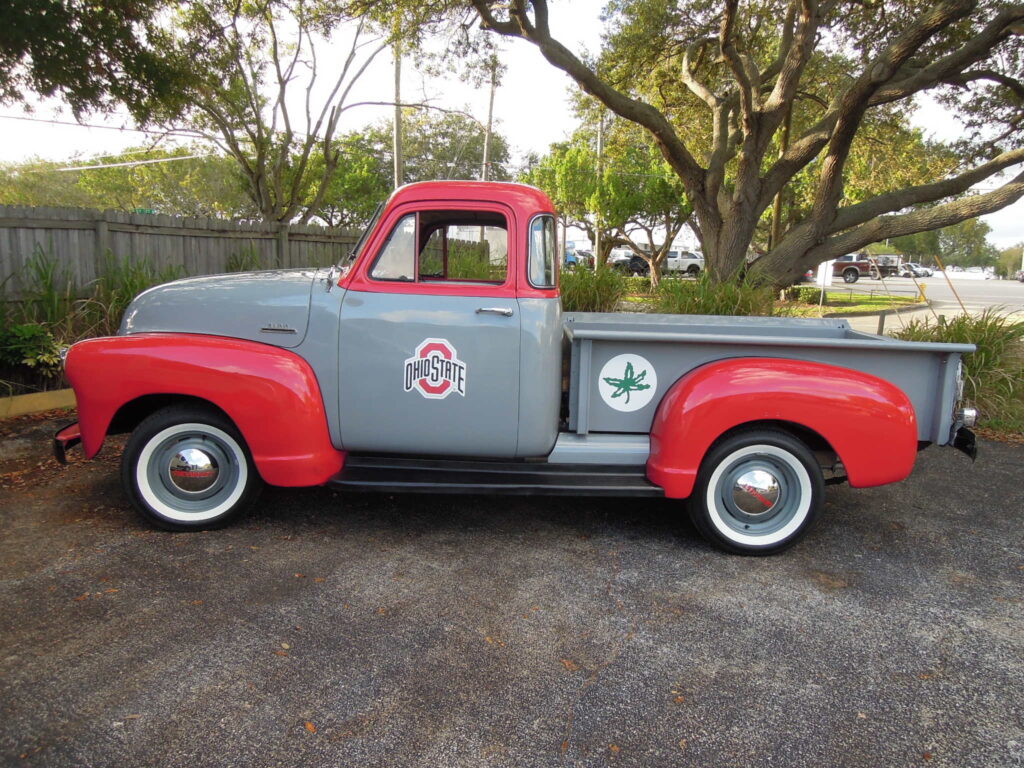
[846,302]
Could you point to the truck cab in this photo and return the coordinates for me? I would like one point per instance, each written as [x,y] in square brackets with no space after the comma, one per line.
[450,316]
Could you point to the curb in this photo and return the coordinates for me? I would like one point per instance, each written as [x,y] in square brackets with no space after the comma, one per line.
[20,405]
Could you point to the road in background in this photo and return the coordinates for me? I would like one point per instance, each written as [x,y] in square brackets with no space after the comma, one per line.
[976,295]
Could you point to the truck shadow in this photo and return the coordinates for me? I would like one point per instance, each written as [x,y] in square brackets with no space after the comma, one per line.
[348,514]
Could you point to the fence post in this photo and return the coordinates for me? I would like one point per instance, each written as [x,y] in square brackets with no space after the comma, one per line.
[881,323]
[283,260]
[102,242]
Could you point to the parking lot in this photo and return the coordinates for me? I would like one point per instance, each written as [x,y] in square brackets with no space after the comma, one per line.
[332,630]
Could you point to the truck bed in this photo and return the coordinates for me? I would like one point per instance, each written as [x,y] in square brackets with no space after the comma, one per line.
[676,344]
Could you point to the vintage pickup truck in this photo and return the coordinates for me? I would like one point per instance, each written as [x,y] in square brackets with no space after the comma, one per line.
[437,358]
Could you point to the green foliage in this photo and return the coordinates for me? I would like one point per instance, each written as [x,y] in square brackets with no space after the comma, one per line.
[637,284]
[805,294]
[1011,260]
[121,280]
[48,295]
[585,290]
[705,297]
[994,374]
[92,55]
[199,186]
[31,345]
[966,244]
[245,260]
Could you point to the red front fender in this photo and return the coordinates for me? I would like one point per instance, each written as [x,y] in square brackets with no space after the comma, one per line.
[270,394]
[869,422]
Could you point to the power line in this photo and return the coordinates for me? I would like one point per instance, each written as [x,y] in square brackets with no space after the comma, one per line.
[125,165]
[92,125]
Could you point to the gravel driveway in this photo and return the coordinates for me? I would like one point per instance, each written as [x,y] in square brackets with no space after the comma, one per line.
[333,630]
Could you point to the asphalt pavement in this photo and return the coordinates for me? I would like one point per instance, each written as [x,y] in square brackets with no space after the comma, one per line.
[359,630]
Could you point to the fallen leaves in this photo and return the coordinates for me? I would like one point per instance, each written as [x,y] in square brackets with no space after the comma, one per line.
[310,727]
[570,665]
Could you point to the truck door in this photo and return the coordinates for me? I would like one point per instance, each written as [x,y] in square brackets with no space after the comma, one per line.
[430,336]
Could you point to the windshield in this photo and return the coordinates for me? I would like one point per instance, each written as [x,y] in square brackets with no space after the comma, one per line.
[349,260]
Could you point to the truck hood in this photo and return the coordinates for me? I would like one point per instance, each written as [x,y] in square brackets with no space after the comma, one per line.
[270,307]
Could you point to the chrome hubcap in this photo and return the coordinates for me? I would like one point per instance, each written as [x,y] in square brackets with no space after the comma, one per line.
[193,471]
[756,492]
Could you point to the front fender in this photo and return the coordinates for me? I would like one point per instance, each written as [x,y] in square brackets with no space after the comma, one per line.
[271,395]
[869,422]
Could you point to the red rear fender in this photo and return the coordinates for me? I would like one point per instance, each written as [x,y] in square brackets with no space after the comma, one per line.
[270,394]
[869,422]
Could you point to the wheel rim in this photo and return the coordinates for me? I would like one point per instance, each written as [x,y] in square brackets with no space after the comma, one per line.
[759,495]
[191,472]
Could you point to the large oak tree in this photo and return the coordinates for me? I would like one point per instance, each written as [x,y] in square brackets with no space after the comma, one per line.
[741,99]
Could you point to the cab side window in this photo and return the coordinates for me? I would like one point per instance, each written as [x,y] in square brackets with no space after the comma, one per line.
[446,246]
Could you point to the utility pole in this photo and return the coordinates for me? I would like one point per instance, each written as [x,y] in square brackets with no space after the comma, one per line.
[485,168]
[399,171]
[600,176]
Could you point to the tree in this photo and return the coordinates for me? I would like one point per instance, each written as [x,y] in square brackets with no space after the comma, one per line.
[362,180]
[966,244]
[785,87]
[1011,260]
[137,178]
[635,194]
[92,55]
[242,95]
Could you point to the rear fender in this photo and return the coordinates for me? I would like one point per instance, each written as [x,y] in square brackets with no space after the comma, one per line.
[270,394]
[869,422]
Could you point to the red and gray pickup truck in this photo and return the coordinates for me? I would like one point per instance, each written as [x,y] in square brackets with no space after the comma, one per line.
[437,358]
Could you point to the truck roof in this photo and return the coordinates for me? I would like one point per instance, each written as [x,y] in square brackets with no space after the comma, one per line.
[521,197]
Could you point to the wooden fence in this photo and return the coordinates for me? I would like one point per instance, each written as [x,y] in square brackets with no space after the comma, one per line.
[83,240]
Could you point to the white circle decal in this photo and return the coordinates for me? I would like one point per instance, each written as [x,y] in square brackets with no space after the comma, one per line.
[627,382]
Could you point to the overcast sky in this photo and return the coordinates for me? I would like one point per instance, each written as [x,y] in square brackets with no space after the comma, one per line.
[532,109]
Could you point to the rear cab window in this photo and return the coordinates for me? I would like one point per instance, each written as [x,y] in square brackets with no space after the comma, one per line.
[543,261]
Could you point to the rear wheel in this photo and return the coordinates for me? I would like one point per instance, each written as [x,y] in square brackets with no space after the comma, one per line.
[187,468]
[757,492]
[851,275]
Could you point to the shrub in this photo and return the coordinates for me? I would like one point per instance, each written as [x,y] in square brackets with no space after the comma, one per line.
[31,345]
[704,297]
[585,290]
[806,295]
[246,260]
[637,284]
[120,281]
[47,296]
[994,373]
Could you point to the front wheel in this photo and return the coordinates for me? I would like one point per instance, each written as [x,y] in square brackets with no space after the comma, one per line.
[758,492]
[693,270]
[851,276]
[187,468]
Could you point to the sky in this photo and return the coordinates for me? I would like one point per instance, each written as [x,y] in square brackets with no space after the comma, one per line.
[532,108]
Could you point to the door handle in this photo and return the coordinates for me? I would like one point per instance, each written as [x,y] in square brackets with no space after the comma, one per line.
[503,311]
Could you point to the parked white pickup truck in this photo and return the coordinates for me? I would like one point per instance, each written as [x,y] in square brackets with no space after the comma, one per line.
[684,261]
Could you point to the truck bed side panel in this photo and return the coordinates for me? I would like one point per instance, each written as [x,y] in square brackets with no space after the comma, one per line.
[673,345]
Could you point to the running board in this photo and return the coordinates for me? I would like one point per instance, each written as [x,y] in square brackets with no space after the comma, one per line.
[397,475]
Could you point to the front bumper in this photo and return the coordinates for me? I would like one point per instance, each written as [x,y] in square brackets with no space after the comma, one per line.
[67,437]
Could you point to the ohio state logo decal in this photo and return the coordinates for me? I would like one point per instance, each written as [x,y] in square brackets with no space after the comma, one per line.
[435,370]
